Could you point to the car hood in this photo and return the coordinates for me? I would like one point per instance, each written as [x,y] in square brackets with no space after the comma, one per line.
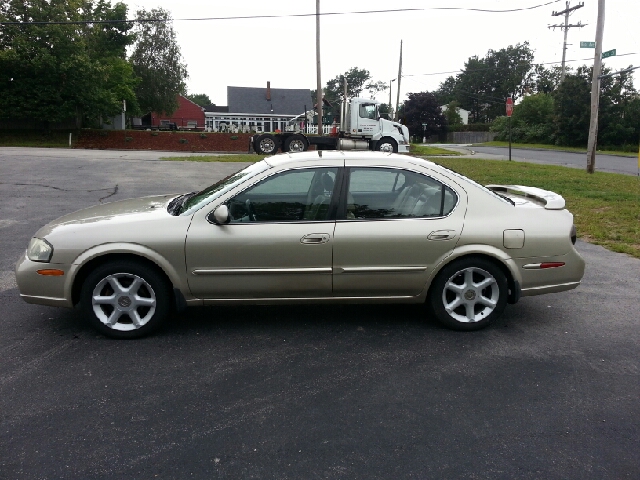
[130,211]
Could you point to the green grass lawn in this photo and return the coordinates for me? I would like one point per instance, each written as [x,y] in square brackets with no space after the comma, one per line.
[606,206]
[555,147]
[422,150]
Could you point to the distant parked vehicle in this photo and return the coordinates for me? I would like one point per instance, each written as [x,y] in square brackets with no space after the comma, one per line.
[361,127]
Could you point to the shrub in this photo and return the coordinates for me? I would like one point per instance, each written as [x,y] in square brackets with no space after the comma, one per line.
[183,140]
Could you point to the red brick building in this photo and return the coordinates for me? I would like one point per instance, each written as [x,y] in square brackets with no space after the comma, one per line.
[189,115]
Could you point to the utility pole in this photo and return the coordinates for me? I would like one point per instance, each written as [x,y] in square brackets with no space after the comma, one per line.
[595,91]
[390,104]
[318,75]
[566,28]
[399,79]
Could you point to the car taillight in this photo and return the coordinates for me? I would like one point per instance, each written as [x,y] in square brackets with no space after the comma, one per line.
[574,236]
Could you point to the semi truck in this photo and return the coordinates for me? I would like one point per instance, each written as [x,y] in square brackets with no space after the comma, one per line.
[361,128]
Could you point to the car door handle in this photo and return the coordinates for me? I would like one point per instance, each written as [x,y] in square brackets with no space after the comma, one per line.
[442,235]
[315,238]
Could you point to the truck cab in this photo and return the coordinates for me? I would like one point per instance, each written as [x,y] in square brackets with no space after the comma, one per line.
[362,120]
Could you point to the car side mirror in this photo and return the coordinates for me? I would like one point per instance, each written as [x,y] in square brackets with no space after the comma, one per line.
[220,215]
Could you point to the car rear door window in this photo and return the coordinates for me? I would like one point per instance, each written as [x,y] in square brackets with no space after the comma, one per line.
[383,193]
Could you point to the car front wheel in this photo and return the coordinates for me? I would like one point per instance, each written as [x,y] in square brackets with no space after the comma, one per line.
[468,294]
[125,299]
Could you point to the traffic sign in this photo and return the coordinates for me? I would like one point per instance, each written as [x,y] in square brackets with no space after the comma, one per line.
[509,106]
[609,53]
[587,44]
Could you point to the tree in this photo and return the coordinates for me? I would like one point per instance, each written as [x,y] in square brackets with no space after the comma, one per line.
[546,80]
[157,62]
[376,87]
[357,81]
[422,115]
[201,99]
[56,72]
[572,101]
[616,99]
[532,121]
[616,112]
[446,93]
[451,113]
[485,83]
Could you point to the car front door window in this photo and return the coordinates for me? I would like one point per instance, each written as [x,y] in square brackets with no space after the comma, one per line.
[292,196]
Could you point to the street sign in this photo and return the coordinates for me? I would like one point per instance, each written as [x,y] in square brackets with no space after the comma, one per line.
[587,44]
[609,53]
[509,106]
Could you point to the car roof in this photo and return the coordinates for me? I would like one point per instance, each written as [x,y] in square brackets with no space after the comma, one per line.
[282,159]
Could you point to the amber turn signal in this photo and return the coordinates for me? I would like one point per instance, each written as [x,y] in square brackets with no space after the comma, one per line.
[53,272]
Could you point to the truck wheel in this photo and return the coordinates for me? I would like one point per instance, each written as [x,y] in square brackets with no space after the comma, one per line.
[296,143]
[387,145]
[266,144]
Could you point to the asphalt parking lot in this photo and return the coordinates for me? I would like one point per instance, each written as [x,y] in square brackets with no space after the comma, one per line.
[551,391]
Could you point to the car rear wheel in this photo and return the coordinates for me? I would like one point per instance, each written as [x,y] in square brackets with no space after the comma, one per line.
[468,294]
[125,299]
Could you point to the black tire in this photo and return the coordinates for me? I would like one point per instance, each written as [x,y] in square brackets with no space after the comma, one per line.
[387,144]
[266,144]
[461,282]
[126,299]
[296,143]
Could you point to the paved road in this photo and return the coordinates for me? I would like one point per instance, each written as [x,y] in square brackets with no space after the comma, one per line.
[343,392]
[604,163]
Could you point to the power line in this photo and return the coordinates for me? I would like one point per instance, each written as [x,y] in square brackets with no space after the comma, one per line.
[494,67]
[495,11]
[292,15]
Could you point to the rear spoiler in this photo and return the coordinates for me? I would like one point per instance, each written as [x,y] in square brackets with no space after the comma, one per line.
[550,200]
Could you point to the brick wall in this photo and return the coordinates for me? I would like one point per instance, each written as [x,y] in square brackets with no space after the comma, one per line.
[169,141]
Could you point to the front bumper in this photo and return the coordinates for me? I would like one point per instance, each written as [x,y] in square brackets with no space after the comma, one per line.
[54,291]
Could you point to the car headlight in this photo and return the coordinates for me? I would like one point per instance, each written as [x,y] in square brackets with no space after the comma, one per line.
[39,250]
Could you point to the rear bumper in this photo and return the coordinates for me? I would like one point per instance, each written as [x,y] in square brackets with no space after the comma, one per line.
[551,280]
[561,287]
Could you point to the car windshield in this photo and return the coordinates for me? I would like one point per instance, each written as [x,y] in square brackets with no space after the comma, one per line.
[205,196]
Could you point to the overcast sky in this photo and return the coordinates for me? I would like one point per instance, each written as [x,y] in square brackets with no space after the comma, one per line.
[250,52]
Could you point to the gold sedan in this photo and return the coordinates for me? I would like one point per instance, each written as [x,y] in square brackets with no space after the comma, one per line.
[309,227]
